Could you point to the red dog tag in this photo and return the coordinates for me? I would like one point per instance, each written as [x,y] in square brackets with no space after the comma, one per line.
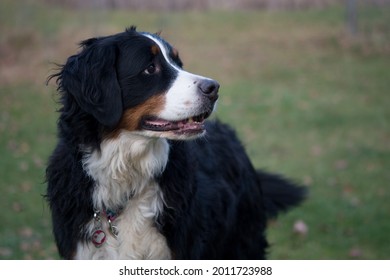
[98,238]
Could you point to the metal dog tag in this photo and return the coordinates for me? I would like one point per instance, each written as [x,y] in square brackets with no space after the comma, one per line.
[113,229]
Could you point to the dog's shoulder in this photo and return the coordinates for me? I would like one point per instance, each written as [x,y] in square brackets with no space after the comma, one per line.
[214,203]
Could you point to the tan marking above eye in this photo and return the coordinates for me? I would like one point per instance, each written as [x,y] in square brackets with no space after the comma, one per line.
[155,49]
[175,53]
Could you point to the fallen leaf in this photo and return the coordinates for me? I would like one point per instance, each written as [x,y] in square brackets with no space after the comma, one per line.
[17,207]
[316,150]
[24,246]
[307,180]
[341,164]
[26,186]
[23,166]
[355,253]
[300,228]
[5,252]
[26,232]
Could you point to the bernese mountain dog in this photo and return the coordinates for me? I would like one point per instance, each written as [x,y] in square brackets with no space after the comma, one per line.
[138,172]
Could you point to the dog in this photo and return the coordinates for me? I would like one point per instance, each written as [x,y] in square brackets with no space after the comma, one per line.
[139,173]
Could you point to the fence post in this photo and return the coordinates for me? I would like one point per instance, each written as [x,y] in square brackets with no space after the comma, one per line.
[351,17]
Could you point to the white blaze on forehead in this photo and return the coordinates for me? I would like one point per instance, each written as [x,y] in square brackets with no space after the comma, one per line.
[183,99]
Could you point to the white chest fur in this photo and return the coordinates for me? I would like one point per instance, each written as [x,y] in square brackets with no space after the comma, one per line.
[125,167]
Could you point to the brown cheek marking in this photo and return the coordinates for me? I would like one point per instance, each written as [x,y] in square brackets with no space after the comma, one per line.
[131,117]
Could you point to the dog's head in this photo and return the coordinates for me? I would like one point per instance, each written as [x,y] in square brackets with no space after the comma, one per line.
[135,81]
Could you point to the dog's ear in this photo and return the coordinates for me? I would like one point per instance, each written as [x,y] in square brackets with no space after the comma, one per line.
[90,77]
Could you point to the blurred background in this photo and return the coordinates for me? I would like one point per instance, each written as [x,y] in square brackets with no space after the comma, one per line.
[306,84]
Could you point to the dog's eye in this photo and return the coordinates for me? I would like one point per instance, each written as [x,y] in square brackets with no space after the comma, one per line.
[151,69]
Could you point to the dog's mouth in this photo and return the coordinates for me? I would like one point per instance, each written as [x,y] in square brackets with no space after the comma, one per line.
[190,126]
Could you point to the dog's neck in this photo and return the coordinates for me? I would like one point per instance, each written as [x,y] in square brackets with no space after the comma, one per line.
[125,166]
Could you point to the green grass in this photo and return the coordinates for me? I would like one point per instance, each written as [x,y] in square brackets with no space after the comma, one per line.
[308,101]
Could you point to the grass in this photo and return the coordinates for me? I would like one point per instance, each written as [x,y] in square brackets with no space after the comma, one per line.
[308,101]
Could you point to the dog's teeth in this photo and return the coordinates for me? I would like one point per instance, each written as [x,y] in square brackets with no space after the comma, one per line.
[190,120]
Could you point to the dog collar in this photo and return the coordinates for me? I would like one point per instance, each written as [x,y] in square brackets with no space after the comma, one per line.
[99,235]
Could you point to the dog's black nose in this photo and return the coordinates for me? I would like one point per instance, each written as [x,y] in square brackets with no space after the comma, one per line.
[209,88]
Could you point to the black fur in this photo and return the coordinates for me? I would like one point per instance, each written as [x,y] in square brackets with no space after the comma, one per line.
[217,204]
[221,214]
[69,193]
